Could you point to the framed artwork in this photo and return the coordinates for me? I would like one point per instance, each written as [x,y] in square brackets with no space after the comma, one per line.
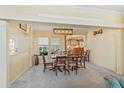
[23,27]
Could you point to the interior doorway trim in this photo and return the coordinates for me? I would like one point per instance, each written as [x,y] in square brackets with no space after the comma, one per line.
[3,57]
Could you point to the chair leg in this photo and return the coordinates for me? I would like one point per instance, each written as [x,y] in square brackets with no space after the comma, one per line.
[56,70]
[64,68]
[68,70]
[81,65]
[84,65]
[76,70]
[72,68]
[88,59]
[44,69]
[52,66]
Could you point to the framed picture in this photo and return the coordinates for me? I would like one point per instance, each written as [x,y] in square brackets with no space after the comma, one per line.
[23,27]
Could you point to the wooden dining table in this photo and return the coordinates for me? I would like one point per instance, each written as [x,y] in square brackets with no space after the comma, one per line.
[55,56]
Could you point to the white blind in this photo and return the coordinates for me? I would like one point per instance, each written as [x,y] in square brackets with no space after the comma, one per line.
[55,41]
[43,41]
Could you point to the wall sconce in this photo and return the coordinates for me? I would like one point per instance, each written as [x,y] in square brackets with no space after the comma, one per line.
[98,32]
[94,33]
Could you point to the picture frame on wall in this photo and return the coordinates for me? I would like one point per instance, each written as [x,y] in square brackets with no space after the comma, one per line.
[23,27]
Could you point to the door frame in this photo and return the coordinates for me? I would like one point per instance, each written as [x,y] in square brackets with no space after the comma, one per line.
[3,55]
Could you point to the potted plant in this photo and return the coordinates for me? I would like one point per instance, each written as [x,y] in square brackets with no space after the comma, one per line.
[43,51]
[55,51]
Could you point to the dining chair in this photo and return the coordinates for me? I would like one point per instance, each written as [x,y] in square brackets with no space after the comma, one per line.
[81,62]
[73,63]
[60,64]
[46,64]
[87,55]
[76,62]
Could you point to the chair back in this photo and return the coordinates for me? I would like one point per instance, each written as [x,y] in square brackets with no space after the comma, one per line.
[80,59]
[72,59]
[61,59]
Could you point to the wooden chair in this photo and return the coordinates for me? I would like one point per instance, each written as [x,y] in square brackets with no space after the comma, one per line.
[60,64]
[46,65]
[87,55]
[73,63]
[81,62]
[76,62]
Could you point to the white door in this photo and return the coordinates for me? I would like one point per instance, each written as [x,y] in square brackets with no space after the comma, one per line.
[3,64]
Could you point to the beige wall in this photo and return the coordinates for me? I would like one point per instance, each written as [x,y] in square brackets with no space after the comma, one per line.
[122,65]
[20,61]
[106,49]
[3,55]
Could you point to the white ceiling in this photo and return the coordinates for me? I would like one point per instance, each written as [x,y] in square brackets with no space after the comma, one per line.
[49,27]
[39,26]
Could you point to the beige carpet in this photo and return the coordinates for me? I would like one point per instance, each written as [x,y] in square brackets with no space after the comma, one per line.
[91,77]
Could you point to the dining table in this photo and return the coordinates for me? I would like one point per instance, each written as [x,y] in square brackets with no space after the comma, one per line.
[54,57]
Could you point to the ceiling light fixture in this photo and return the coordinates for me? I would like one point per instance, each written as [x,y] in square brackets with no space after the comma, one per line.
[63,31]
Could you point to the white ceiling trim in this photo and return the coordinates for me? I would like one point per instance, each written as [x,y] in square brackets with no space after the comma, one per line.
[94,9]
[69,17]
[66,20]
[84,21]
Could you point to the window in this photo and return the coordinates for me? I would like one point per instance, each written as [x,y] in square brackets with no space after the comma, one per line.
[43,45]
[12,44]
[55,45]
